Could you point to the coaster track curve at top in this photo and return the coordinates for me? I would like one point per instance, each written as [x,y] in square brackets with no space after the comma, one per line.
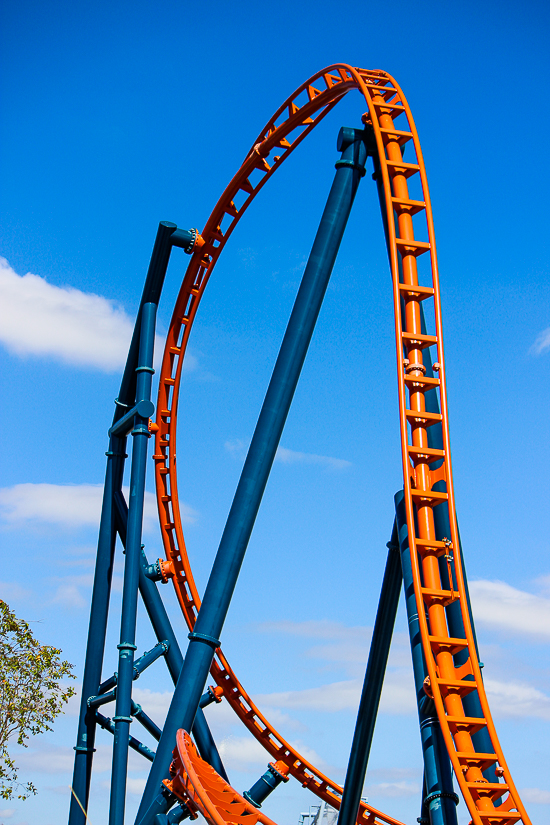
[427,469]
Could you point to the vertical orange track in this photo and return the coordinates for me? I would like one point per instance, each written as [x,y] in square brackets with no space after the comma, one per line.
[411,235]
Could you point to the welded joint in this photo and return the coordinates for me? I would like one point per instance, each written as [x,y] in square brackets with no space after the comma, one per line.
[160,571]
[143,409]
[213,694]
[441,795]
[276,773]
[187,239]
[205,638]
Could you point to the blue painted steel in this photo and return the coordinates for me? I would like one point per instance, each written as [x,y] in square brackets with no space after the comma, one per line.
[184,238]
[143,409]
[96,636]
[140,665]
[260,457]
[102,699]
[163,630]
[106,542]
[139,714]
[265,785]
[127,644]
[441,800]
[135,744]
[372,685]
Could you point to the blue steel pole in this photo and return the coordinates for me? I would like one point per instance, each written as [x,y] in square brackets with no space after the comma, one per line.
[161,625]
[106,541]
[164,632]
[205,638]
[372,685]
[99,610]
[127,644]
[441,800]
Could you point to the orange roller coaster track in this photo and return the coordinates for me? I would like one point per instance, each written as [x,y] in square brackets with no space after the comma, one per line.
[427,471]
[425,554]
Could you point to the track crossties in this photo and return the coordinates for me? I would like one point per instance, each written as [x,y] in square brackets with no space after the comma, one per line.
[452,662]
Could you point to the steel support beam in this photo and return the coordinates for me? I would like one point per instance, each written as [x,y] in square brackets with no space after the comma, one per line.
[205,638]
[101,594]
[164,631]
[372,685]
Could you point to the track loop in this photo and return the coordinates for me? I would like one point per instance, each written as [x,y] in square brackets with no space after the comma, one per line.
[452,662]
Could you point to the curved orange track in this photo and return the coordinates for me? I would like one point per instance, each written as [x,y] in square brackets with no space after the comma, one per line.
[406,219]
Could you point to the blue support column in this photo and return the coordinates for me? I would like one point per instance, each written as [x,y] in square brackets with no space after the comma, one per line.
[441,800]
[205,637]
[127,645]
[372,685]
[107,535]
[163,630]
[84,749]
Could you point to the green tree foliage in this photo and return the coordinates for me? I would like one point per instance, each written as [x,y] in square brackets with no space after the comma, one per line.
[31,694]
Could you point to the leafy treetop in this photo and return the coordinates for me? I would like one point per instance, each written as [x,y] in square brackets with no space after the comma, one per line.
[31,694]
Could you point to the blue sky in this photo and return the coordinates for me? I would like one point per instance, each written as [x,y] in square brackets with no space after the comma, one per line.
[118,115]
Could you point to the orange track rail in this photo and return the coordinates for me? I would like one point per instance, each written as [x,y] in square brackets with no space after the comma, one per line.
[406,218]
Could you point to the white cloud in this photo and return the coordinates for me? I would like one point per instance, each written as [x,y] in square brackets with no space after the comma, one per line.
[238,448]
[10,591]
[318,629]
[393,789]
[135,785]
[516,699]
[241,753]
[499,605]
[51,759]
[327,698]
[69,505]
[286,456]
[78,328]
[397,696]
[535,795]
[68,593]
[154,703]
[346,645]
[38,318]
[542,342]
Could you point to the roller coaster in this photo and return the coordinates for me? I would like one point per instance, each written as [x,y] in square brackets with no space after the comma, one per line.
[187,777]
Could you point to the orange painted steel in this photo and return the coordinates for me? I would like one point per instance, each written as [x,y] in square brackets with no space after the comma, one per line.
[204,791]
[406,217]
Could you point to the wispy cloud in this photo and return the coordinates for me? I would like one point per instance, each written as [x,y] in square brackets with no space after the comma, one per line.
[536,796]
[286,456]
[318,629]
[348,646]
[398,696]
[68,505]
[283,455]
[154,703]
[499,605]
[542,342]
[68,593]
[242,753]
[11,591]
[517,699]
[78,328]
[51,759]
[393,789]
[38,318]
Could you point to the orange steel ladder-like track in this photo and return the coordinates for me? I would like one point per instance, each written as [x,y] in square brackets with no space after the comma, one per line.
[292,122]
